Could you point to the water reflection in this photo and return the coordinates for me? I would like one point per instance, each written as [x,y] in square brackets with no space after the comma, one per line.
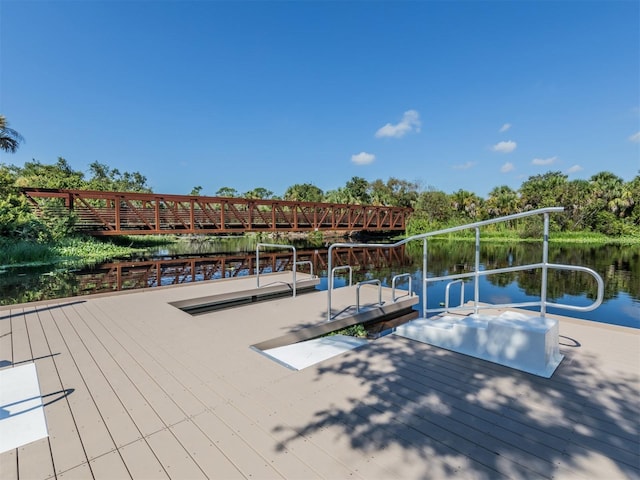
[192,262]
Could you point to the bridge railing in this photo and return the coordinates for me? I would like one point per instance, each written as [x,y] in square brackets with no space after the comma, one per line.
[130,213]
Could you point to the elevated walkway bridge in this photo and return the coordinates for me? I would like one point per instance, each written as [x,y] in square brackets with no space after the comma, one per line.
[125,213]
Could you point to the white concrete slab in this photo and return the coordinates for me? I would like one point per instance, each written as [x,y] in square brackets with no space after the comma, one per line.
[304,354]
[21,413]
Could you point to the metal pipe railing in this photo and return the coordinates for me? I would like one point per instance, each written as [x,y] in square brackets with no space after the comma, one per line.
[342,267]
[446,293]
[307,262]
[477,273]
[394,280]
[375,281]
[275,245]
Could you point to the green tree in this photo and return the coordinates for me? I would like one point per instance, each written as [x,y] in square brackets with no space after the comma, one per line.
[395,192]
[435,206]
[107,179]
[467,204]
[259,193]
[503,200]
[227,192]
[195,191]
[357,191]
[9,139]
[304,192]
[338,195]
[546,190]
[59,175]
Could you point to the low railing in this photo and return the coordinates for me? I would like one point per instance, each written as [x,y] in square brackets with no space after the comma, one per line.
[275,245]
[477,273]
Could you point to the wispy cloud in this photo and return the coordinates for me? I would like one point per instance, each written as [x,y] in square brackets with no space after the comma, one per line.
[635,137]
[410,123]
[507,167]
[505,127]
[363,158]
[544,161]
[574,169]
[505,147]
[464,166]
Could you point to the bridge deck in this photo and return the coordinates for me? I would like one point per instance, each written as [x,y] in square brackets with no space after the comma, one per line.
[152,392]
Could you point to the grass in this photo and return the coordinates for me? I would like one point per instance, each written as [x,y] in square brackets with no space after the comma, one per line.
[69,252]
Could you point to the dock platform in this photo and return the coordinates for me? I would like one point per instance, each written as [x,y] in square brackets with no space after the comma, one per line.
[134,387]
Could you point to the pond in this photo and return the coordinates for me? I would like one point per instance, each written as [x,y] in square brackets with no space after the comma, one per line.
[187,262]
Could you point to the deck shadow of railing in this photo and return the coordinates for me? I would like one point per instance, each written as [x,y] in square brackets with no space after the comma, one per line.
[445,409]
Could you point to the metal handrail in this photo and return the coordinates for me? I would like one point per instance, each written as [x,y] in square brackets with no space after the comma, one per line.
[375,281]
[342,267]
[395,279]
[307,262]
[544,265]
[275,245]
[446,293]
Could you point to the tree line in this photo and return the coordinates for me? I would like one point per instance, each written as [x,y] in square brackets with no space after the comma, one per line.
[604,203]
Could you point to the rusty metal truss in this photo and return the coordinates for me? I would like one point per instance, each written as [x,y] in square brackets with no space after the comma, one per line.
[119,213]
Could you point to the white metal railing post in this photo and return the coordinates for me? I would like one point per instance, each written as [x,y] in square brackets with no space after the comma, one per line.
[476,287]
[329,281]
[545,263]
[343,267]
[424,278]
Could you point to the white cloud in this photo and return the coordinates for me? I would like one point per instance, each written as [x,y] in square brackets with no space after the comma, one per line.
[505,147]
[363,158]
[410,123]
[505,127]
[635,137]
[464,166]
[574,169]
[507,167]
[544,161]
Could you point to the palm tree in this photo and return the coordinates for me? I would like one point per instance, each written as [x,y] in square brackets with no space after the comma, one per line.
[9,139]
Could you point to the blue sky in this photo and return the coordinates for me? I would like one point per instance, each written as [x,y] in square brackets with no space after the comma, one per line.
[243,94]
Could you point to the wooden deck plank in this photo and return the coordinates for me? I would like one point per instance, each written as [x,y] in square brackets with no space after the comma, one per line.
[66,447]
[204,451]
[517,428]
[6,343]
[114,394]
[20,346]
[109,466]
[141,462]
[286,463]
[43,468]
[387,434]
[239,452]
[80,472]
[393,409]
[88,351]
[165,393]
[9,465]
[176,461]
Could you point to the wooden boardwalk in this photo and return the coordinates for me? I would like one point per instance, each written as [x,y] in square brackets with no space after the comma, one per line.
[135,388]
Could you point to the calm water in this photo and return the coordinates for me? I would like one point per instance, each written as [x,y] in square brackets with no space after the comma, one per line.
[188,262]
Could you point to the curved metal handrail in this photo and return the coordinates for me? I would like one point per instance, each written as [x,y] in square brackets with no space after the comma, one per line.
[477,273]
[275,245]
[394,281]
[375,281]
[342,267]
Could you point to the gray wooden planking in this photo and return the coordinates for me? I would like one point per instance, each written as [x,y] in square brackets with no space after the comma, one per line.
[145,390]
